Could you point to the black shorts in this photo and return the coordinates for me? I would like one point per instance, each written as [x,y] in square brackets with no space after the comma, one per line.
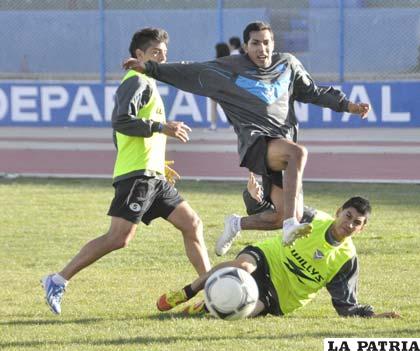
[256,161]
[267,292]
[256,156]
[275,178]
[143,199]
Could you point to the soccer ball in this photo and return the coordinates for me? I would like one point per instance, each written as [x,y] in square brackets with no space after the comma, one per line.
[230,293]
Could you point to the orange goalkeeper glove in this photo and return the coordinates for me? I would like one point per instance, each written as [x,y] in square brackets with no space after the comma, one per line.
[170,174]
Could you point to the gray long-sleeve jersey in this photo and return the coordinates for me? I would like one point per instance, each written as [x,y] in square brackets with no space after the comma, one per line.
[132,95]
[257,101]
[343,288]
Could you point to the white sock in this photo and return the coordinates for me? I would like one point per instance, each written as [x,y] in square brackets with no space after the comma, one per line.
[290,222]
[58,279]
[236,223]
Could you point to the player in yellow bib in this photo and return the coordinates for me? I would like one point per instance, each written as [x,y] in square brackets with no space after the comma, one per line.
[141,191]
[289,277]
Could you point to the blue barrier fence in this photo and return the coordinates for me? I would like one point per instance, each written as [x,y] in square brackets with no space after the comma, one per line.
[336,40]
[70,42]
[394,104]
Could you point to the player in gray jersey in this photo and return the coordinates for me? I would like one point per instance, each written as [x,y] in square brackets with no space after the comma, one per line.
[257,93]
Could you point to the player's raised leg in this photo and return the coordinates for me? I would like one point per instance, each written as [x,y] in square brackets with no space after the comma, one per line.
[286,155]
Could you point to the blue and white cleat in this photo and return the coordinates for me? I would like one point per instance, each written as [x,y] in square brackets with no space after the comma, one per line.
[53,293]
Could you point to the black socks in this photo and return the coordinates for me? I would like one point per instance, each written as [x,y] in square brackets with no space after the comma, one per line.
[189,291]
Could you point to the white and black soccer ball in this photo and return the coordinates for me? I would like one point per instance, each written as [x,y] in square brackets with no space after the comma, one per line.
[231,293]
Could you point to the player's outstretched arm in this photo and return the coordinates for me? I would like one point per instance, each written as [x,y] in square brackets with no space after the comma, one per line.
[200,78]
[362,109]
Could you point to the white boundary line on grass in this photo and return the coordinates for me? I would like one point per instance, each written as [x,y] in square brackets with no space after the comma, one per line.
[196,178]
[313,149]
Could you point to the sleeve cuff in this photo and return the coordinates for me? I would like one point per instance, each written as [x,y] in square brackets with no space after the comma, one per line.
[157,127]
[345,105]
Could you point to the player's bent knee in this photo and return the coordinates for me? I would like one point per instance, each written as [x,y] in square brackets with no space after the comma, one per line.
[194,225]
[246,266]
[304,151]
[275,221]
[121,243]
[120,233]
[120,239]
[300,152]
[245,262]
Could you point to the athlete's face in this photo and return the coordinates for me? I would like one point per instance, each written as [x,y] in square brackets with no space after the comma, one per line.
[156,52]
[347,223]
[260,47]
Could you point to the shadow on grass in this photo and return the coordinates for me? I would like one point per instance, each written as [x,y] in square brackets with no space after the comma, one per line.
[51,321]
[147,340]
[175,315]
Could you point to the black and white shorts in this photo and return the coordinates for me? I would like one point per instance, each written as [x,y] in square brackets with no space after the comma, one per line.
[267,292]
[143,199]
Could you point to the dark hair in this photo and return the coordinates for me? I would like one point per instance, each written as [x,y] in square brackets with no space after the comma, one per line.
[142,39]
[256,27]
[235,42]
[360,204]
[222,49]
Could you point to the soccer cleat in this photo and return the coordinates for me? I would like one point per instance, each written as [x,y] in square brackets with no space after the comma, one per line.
[196,309]
[53,293]
[308,214]
[229,234]
[168,301]
[294,232]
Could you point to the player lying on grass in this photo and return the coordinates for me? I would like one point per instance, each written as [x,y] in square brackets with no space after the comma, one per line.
[289,277]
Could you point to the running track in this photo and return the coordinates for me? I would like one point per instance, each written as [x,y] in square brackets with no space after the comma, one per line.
[357,155]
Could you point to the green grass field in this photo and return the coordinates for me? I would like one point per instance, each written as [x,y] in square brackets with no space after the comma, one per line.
[111,305]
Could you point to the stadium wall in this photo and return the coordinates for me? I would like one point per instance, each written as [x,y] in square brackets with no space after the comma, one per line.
[34,103]
[375,41]
[66,42]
